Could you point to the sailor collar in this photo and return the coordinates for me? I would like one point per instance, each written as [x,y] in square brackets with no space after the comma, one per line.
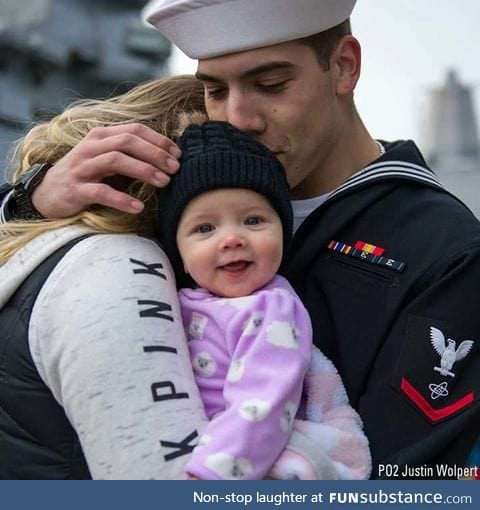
[389,166]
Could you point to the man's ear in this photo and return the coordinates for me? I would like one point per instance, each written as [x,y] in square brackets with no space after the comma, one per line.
[347,59]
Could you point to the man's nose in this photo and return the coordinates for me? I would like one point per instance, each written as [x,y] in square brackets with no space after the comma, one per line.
[244,113]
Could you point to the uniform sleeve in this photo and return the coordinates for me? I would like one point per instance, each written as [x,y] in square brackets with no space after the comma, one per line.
[329,444]
[106,336]
[270,344]
[430,396]
[5,193]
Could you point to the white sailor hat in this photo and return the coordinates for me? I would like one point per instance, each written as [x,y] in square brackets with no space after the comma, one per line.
[209,28]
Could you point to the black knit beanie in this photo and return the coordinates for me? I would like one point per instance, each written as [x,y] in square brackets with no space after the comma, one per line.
[216,155]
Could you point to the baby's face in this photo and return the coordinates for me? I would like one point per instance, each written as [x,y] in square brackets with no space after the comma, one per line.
[230,241]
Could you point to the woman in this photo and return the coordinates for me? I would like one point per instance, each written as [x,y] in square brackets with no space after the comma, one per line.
[95,378]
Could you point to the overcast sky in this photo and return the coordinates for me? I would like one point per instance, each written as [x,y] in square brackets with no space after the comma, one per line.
[407,47]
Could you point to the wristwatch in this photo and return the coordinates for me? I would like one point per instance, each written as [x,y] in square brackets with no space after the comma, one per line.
[20,205]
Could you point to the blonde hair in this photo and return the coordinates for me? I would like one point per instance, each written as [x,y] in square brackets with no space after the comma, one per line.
[157,104]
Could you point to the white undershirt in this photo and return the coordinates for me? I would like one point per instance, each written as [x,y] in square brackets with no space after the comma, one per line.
[303,208]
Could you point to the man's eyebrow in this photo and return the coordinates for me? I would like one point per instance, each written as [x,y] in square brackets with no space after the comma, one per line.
[262,68]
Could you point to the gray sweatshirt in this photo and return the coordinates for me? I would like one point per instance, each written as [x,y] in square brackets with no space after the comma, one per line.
[107,339]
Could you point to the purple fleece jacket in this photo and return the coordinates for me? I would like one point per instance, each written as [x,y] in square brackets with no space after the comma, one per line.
[249,355]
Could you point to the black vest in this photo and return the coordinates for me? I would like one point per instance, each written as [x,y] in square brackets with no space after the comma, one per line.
[36,438]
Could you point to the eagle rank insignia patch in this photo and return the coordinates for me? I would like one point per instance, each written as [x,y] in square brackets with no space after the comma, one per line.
[434,372]
[448,352]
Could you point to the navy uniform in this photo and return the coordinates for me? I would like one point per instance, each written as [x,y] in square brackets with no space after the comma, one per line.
[389,269]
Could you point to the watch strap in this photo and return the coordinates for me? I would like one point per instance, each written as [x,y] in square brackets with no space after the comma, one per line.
[20,204]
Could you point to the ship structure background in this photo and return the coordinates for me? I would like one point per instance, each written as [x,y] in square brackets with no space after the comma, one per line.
[55,51]
[450,140]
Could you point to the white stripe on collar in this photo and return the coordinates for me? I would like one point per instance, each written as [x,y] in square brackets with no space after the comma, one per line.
[389,169]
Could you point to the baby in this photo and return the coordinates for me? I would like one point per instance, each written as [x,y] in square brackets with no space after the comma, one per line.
[226,222]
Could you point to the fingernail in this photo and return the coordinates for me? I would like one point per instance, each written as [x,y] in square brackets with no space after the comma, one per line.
[161,179]
[175,151]
[136,206]
[172,163]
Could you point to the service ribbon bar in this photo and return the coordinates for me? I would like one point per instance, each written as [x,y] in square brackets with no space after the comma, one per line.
[369,248]
[368,256]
